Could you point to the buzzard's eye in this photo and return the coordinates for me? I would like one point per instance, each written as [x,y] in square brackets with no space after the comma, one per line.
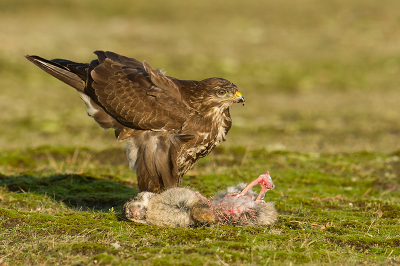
[221,92]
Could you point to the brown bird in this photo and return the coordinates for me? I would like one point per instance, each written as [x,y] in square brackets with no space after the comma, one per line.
[169,123]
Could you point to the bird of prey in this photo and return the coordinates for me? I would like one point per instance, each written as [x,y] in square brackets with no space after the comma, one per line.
[169,124]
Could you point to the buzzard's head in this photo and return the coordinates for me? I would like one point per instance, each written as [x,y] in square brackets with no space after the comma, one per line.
[217,93]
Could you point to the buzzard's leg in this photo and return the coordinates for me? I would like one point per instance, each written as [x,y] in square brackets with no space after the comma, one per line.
[266,184]
[154,155]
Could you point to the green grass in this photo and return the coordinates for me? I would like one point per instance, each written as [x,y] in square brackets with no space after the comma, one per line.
[321,82]
[334,209]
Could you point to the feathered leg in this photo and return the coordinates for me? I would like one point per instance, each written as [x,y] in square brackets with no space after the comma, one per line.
[153,155]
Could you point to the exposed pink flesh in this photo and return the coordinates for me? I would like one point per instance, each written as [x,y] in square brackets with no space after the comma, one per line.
[266,184]
[233,205]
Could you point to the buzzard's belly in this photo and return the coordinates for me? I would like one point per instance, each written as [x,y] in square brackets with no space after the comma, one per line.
[200,148]
[189,157]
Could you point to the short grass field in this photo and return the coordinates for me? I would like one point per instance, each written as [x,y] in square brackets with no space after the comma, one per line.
[322,115]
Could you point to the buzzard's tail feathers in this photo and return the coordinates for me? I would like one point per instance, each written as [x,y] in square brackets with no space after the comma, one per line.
[67,71]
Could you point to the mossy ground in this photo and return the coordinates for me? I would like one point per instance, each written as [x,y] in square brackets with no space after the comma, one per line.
[334,209]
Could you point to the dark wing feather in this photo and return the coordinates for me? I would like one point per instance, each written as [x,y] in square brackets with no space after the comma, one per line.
[123,88]
[62,70]
[162,82]
[79,69]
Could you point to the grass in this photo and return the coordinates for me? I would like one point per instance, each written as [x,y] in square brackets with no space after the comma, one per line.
[334,209]
[321,86]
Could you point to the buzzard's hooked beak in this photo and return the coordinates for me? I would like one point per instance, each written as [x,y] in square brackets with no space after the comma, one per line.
[239,98]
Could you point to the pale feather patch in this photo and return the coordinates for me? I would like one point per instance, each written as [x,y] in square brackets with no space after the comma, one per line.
[131,152]
[91,111]
[133,145]
[161,71]
[158,130]
[221,117]
[221,136]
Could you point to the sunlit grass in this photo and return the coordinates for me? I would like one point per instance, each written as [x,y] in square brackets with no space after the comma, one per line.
[61,205]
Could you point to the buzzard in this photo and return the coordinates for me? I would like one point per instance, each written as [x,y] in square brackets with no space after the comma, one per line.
[169,124]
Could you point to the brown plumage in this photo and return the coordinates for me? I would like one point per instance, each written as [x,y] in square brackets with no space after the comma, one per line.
[169,123]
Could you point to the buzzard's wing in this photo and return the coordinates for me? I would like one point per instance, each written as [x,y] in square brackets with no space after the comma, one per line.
[134,94]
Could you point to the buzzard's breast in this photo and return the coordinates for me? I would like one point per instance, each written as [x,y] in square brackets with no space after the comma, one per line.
[222,130]
[216,127]
[220,125]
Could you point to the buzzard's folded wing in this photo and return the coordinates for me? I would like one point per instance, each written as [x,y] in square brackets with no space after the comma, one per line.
[135,95]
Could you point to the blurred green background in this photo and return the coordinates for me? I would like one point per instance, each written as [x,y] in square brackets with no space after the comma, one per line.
[318,76]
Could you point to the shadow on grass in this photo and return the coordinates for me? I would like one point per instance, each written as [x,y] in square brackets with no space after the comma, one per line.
[77,191]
